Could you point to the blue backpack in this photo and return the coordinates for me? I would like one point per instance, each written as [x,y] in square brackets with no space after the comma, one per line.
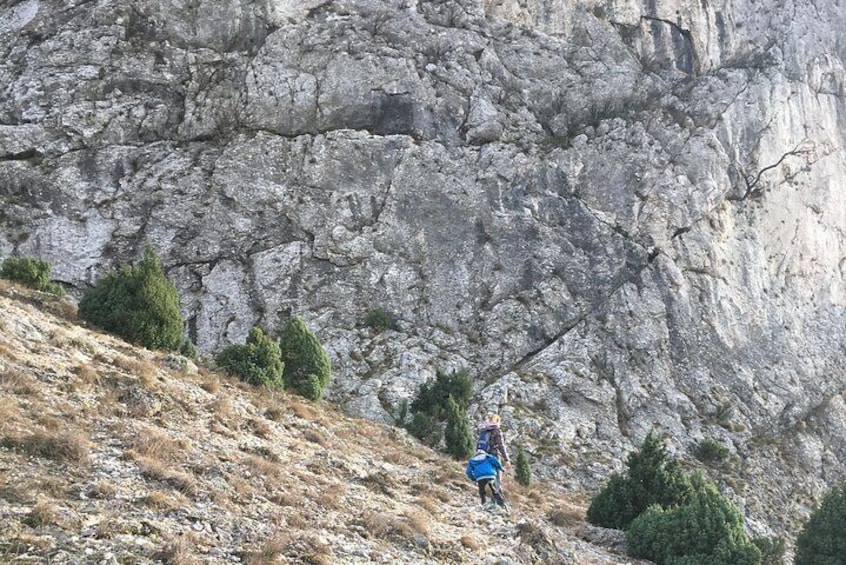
[483,442]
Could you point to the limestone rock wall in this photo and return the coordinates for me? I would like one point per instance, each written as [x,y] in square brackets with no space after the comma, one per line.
[618,215]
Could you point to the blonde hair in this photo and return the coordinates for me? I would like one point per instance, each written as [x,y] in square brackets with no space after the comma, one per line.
[494,418]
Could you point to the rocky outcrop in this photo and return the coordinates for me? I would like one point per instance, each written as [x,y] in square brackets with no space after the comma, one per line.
[619,215]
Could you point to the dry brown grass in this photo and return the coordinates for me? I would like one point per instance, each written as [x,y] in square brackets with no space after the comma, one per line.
[44,513]
[87,374]
[566,515]
[263,467]
[10,412]
[259,427]
[270,551]
[428,503]
[64,447]
[154,469]
[317,437]
[178,550]
[157,445]
[18,382]
[470,542]
[210,384]
[385,526]
[287,498]
[144,369]
[274,413]
[418,522]
[102,489]
[162,500]
[302,410]
[224,413]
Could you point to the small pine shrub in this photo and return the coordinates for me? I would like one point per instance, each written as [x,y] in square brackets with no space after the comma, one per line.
[138,304]
[307,367]
[710,450]
[705,528]
[30,272]
[653,478]
[522,469]
[457,434]
[772,550]
[822,540]
[379,320]
[258,361]
[188,349]
[426,428]
[432,397]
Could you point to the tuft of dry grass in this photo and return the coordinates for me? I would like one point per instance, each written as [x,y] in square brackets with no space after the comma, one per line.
[86,374]
[270,551]
[428,503]
[159,446]
[470,542]
[287,498]
[210,384]
[274,413]
[44,513]
[315,436]
[162,500]
[156,470]
[566,516]
[102,489]
[302,410]
[259,427]
[419,522]
[225,413]
[178,550]
[385,526]
[17,382]
[64,447]
[144,369]
[263,467]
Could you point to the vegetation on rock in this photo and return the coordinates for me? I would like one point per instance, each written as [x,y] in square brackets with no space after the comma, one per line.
[258,361]
[823,538]
[31,272]
[137,303]
[307,368]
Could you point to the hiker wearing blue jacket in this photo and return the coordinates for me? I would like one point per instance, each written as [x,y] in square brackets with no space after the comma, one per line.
[482,468]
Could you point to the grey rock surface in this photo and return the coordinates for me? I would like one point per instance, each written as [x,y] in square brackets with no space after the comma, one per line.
[620,216]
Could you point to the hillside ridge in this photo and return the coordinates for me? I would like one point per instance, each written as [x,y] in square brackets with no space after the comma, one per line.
[114,454]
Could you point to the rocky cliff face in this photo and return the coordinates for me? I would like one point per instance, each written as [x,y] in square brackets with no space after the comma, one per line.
[618,215]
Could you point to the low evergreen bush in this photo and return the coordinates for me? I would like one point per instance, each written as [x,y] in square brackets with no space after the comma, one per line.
[138,304]
[307,367]
[432,397]
[822,540]
[457,433]
[653,478]
[379,320]
[705,528]
[710,450]
[258,361]
[522,469]
[426,428]
[30,272]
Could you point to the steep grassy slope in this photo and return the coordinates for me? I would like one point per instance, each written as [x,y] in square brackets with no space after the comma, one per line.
[113,454]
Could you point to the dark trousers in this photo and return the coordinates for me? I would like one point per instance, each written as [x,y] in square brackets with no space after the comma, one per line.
[484,484]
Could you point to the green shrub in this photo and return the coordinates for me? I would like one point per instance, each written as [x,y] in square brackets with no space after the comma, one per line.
[710,450]
[426,428]
[138,304]
[704,529]
[188,349]
[772,550]
[307,367]
[432,397]
[258,361]
[822,540]
[522,469]
[457,434]
[30,272]
[653,478]
[379,320]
